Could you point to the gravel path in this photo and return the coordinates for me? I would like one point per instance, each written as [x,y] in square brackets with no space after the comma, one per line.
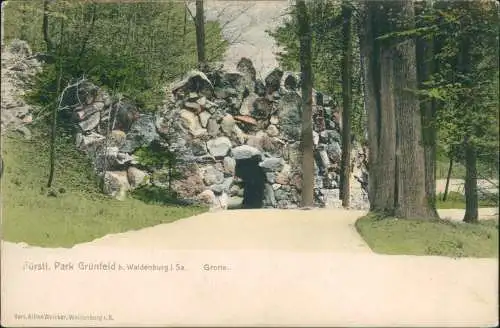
[274,268]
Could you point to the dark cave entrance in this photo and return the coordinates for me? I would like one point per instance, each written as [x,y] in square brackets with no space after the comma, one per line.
[253,178]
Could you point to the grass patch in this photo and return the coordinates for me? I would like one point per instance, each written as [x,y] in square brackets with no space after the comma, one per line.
[387,235]
[457,200]
[78,212]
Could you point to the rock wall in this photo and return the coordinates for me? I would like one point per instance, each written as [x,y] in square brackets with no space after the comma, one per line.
[236,138]
[19,66]
[218,123]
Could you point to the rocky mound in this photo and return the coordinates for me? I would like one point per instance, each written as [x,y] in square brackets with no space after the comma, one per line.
[19,66]
[235,138]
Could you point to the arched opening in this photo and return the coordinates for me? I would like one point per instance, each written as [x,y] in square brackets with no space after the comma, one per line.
[253,178]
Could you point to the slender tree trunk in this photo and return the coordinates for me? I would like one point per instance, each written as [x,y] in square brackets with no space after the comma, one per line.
[471,199]
[425,69]
[411,198]
[306,81]
[448,177]
[200,32]
[370,53]
[55,111]
[347,104]
[45,27]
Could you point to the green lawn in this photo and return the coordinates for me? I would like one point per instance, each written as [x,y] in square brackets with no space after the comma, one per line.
[79,212]
[457,200]
[429,237]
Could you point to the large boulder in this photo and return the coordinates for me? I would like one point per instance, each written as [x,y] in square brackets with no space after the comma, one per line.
[262,108]
[194,81]
[273,80]
[212,176]
[81,94]
[290,115]
[247,105]
[137,177]
[20,48]
[142,133]
[245,66]
[219,147]
[227,124]
[290,81]
[272,164]
[229,165]
[245,152]
[89,142]
[124,114]
[116,184]
[190,182]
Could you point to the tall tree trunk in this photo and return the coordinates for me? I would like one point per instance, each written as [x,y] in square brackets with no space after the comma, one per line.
[471,200]
[306,85]
[448,177]
[381,112]
[45,27]
[55,111]
[411,198]
[200,32]
[385,195]
[345,176]
[370,53]
[425,69]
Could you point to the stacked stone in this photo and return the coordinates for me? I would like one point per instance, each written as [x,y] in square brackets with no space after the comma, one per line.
[228,117]
[222,125]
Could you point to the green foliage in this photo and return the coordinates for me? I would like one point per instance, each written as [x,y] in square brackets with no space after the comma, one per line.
[326,23]
[149,157]
[131,48]
[468,102]
[155,195]
[163,163]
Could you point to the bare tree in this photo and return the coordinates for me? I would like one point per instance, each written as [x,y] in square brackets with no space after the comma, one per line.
[307,144]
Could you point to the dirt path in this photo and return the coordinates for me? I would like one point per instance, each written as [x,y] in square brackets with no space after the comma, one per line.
[274,268]
[290,230]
